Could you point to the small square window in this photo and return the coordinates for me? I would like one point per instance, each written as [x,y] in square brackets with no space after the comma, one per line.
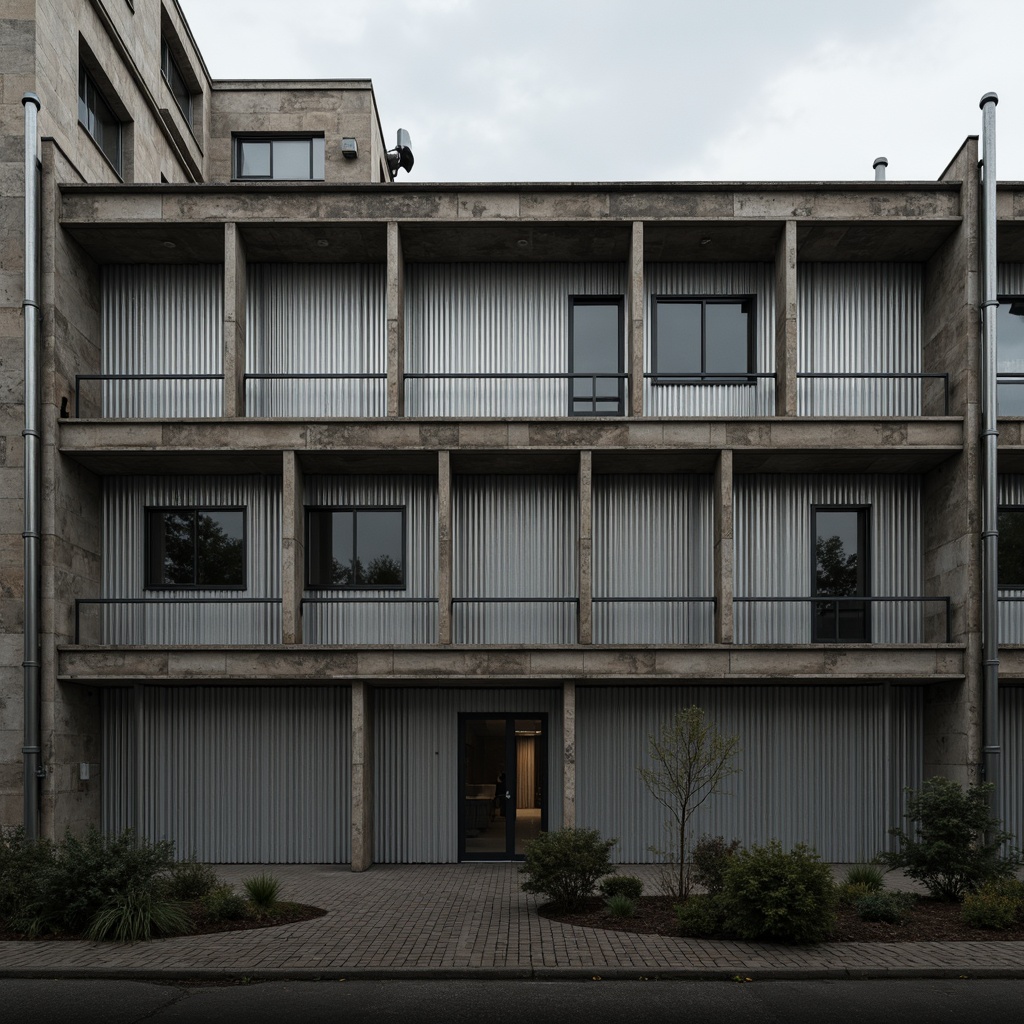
[176,81]
[97,118]
[355,548]
[286,158]
[703,340]
[195,548]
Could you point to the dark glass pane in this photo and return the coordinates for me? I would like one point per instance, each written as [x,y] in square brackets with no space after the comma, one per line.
[595,349]
[220,548]
[1011,547]
[530,780]
[292,159]
[254,159]
[484,806]
[677,330]
[172,549]
[319,548]
[380,542]
[836,569]
[342,549]
[726,343]
[176,82]
[1010,326]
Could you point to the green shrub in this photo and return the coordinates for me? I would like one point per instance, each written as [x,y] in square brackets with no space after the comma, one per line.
[701,917]
[263,891]
[22,863]
[891,907]
[955,844]
[870,876]
[771,894]
[622,885]
[620,905]
[710,857]
[565,865]
[136,915]
[222,903]
[847,893]
[998,904]
[191,880]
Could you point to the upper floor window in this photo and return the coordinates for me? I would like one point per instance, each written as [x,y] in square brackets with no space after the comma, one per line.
[355,548]
[1010,357]
[195,548]
[279,158]
[702,340]
[176,81]
[596,386]
[840,571]
[97,118]
[1011,547]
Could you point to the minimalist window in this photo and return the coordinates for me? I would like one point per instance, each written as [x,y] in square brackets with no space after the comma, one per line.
[1011,547]
[176,81]
[355,548]
[1010,356]
[702,340]
[284,158]
[596,357]
[196,547]
[96,117]
[840,572]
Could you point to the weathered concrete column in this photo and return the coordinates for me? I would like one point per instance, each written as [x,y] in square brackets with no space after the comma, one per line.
[568,755]
[362,776]
[444,548]
[235,274]
[293,549]
[635,326]
[785,322]
[396,322]
[723,548]
[585,620]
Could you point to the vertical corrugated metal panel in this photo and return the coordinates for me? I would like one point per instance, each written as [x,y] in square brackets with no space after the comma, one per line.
[859,318]
[118,771]
[355,621]
[1010,279]
[249,775]
[1011,613]
[704,279]
[818,765]
[316,318]
[1010,787]
[495,318]
[161,319]
[772,524]
[125,500]
[653,537]
[514,536]
[416,765]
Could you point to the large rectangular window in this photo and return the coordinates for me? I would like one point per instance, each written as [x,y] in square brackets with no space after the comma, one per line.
[176,81]
[1010,357]
[355,548]
[96,117]
[1011,547]
[699,340]
[195,548]
[596,357]
[841,572]
[279,158]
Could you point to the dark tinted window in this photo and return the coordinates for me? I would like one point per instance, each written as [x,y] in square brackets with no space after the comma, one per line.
[356,547]
[98,119]
[191,547]
[702,336]
[1010,359]
[840,570]
[596,348]
[1011,547]
[176,81]
[283,159]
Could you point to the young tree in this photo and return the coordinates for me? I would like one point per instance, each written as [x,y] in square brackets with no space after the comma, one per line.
[690,759]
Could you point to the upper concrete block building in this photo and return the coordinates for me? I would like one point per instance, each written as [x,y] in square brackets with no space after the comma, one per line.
[385,521]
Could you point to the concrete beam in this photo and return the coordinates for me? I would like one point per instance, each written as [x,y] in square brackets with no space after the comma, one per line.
[635,323]
[585,555]
[235,273]
[362,776]
[293,548]
[723,555]
[785,322]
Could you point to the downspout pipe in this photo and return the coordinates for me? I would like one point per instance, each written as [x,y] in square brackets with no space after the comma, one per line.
[30,314]
[990,439]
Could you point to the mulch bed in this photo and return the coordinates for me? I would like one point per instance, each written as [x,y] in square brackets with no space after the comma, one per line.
[928,921]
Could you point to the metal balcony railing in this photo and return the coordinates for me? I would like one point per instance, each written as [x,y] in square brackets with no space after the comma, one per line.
[140,402]
[354,619]
[875,402]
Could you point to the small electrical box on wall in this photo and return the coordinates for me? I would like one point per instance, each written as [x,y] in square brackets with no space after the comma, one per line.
[87,771]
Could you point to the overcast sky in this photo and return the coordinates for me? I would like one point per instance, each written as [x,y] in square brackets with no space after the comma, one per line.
[637,90]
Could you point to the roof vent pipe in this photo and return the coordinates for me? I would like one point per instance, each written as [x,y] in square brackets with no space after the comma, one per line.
[880,165]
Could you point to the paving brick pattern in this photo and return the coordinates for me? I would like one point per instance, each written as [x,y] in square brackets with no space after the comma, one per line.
[473,919]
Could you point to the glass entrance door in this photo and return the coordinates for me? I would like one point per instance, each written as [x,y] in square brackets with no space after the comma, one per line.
[502,784]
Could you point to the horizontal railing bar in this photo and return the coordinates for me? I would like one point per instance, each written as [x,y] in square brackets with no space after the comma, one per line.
[944,600]
[517,376]
[515,600]
[315,376]
[369,600]
[682,375]
[877,376]
[654,600]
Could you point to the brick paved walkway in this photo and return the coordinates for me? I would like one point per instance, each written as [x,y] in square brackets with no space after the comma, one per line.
[472,920]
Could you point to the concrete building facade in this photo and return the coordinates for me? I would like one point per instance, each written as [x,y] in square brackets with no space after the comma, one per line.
[384,521]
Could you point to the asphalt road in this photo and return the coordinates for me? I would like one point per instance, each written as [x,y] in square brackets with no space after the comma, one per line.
[512,1002]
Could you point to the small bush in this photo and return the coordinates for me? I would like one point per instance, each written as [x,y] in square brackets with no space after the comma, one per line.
[565,865]
[136,915]
[771,894]
[622,885]
[847,893]
[620,905]
[22,863]
[222,903]
[870,876]
[891,907]
[191,880]
[263,891]
[710,857]
[996,905]
[701,917]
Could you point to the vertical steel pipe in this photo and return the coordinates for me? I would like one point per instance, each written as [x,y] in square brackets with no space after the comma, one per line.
[880,165]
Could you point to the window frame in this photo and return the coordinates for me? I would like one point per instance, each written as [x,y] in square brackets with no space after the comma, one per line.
[240,138]
[151,584]
[310,510]
[167,59]
[92,91]
[618,301]
[1000,584]
[668,377]
[863,567]
[1007,300]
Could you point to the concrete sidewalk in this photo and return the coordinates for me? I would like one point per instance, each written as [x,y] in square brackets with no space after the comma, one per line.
[472,921]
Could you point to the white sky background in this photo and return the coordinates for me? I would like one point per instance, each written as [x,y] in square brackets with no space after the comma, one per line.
[639,90]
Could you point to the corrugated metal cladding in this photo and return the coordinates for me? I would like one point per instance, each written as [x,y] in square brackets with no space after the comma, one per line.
[1010,279]
[316,318]
[416,765]
[163,320]
[125,500]
[773,555]
[495,318]
[514,537]
[859,318]
[1010,788]
[234,775]
[824,765]
[1011,610]
[704,279]
[653,537]
[354,620]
